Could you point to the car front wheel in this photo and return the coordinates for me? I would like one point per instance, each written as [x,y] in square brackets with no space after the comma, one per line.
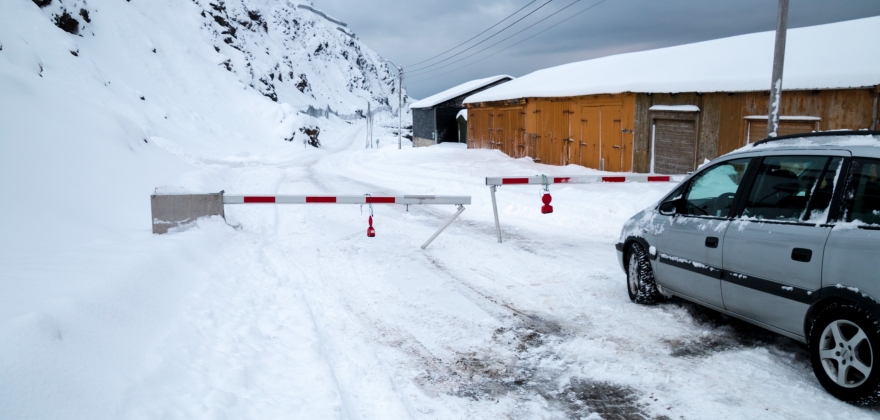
[844,347]
[640,277]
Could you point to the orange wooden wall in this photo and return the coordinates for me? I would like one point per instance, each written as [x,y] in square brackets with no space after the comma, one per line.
[616,128]
[580,130]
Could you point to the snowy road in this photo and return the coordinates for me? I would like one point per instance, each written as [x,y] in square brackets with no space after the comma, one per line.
[295,313]
[306,317]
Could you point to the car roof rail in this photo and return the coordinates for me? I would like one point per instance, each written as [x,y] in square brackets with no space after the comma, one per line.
[820,134]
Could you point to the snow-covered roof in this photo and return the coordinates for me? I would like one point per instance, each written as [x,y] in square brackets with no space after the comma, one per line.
[836,55]
[462,113]
[459,90]
[675,108]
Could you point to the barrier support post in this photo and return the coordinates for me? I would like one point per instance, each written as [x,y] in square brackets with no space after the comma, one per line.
[495,211]
[448,222]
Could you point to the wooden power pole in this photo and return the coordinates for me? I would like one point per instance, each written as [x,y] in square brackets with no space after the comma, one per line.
[778,60]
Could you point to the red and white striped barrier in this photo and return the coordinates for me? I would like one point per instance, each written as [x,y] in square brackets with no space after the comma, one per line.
[495,181]
[457,200]
[174,211]
[346,199]
[583,179]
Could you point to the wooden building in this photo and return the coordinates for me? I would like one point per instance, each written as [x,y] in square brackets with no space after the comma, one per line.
[434,118]
[668,110]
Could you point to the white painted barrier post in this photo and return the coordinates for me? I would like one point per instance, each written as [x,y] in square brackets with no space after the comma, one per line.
[495,181]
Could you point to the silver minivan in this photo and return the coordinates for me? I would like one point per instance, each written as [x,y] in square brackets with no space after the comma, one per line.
[784,234]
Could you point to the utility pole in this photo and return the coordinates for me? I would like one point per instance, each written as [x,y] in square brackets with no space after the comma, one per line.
[369,125]
[778,60]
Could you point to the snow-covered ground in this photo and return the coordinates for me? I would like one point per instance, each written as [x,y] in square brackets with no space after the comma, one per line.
[291,311]
[295,313]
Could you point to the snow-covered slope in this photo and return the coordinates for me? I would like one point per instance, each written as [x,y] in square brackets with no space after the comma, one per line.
[83,111]
[287,50]
[93,117]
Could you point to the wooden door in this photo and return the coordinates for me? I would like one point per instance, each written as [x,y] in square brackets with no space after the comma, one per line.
[513,130]
[490,144]
[588,141]
[675,146]
[478,128]
[500,130]
[611,140]
[518,130]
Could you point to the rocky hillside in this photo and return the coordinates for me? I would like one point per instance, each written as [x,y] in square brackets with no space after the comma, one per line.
[288,51]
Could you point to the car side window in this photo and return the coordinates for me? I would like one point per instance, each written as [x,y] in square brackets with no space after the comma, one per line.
[864,191]
[711,192]
[787,186]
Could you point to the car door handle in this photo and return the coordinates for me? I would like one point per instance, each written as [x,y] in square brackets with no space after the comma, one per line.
[711,242]
[801,254]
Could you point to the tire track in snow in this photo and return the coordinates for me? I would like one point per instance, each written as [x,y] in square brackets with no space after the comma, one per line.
[534,328]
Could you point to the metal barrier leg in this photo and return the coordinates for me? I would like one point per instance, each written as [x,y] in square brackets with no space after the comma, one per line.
[434,236]
[495,210]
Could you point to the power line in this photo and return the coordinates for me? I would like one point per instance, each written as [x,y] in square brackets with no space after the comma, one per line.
[490,37]
[472,38]
[512,45]
[505,39]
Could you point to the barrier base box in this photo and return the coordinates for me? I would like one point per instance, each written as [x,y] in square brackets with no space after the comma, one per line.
[171,211]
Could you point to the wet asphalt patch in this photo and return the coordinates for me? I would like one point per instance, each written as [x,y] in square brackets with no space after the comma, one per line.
[728,334]
[526,368]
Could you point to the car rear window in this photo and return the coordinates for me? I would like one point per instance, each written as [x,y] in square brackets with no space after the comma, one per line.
[793,188]
[864,188]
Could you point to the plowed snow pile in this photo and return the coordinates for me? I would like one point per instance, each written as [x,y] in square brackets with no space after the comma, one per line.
[291,311]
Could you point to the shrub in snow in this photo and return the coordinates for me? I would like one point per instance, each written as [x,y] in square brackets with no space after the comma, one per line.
[85,15]
[68,23]
[312,133]
[303,84]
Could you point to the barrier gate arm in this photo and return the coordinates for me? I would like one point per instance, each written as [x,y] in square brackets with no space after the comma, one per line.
[347,199]
[495,181]
[459,201]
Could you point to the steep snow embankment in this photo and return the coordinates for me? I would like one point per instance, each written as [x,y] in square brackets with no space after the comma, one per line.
[101,101]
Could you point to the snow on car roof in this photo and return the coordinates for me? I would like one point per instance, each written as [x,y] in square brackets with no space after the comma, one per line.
[835,55]
[860,144]
[458,91]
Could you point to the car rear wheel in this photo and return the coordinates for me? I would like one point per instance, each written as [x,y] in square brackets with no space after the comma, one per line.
[640,277]
[844,351]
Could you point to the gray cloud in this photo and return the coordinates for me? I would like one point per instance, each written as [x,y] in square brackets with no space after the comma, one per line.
[407,31]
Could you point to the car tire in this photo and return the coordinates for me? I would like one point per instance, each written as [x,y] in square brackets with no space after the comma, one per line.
[846,335]
[640,283]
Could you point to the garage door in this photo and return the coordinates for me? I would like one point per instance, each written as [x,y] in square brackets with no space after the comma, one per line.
[675,146]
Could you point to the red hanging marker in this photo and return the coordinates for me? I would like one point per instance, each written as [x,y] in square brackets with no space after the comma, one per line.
[371,233]
[546,208]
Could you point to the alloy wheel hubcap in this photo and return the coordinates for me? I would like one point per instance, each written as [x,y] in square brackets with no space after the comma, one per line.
[633,277]
[846,353]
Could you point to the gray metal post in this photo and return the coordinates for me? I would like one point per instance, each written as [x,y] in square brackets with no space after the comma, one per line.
[399,107]
[369,125]
[448,222]
[495,211]
[778,61]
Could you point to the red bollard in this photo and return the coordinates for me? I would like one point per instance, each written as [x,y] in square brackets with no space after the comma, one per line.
[546,208]
[371,233]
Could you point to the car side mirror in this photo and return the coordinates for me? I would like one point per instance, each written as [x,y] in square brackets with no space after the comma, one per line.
[671,207]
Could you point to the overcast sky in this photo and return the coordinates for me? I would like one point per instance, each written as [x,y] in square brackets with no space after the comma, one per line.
[409,31]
